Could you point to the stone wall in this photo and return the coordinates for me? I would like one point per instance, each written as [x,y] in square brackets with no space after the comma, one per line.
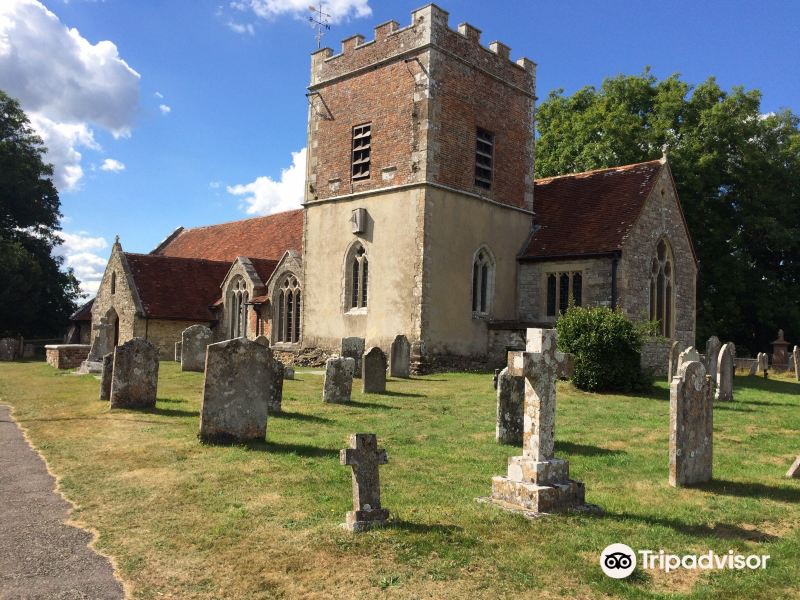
[655,356]
[501,342]
[163,333]
[66,356]
[122,304]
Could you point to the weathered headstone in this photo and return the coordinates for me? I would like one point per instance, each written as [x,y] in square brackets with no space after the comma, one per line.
[178,347]
[685,357]
[510,408]
[565,365]
[780,349]
[8,349]
[753,367]
[796,356]
[194,341]
[763,363]
[794,470]
[288,372]
[725,370]
[134,378]
[102,342]
[105,376]
[338,384]
[373,371]
[364,457]
[400,357]
[674,354]
[537,481]
[263,340]
[353,347]
[690,426]
[713,346]
[276,400]
[239,384]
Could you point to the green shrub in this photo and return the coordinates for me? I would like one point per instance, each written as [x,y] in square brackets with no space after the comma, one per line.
[606,346]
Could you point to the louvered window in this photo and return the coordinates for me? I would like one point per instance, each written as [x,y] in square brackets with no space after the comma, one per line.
[362,142]
[484,158]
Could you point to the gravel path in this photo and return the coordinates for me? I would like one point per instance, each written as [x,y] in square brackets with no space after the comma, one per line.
[40,556]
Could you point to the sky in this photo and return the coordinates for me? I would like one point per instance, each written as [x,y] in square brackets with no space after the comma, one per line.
[167,113]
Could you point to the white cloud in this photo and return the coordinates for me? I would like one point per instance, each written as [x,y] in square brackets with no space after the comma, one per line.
[215,185]
[77,252]
[66,84]
[265,195]
[113,165]
[158,95]
[337,9]
[165,110]
[241,28]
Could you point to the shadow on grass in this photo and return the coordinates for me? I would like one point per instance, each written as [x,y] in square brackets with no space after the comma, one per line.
[762,403]
[358,404]
[725,531]
[732,407]
[584,449]
[402,394]
[751,490]
[767,385]
[298,417]
[170,412]
[298,449]
[173,400]
[426,528]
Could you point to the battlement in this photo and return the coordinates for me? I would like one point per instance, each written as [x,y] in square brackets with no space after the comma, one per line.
[429,28]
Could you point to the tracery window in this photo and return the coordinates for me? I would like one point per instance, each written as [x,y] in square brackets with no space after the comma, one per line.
[287,317]
[237,304]
[662,288]
[482,282]
[358,267]
[561,287]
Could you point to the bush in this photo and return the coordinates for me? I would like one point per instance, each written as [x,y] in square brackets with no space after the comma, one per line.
[606,346]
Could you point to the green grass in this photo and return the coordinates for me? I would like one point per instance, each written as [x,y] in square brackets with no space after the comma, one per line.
[185,520]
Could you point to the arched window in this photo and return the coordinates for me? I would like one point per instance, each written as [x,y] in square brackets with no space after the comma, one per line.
[237,305]
[287,315]
[358,276]
[113,283]
[662,287]
[482,282]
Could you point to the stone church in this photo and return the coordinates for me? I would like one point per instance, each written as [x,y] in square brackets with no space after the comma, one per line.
[421,217]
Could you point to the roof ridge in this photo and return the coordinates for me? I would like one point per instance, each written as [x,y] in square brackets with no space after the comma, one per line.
[284,212]
[591,171]
[167,257]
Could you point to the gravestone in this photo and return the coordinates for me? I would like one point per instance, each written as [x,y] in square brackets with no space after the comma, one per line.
[690,426]
[239,385]
[725,369]
[780,349]
[763,362]
[194,341]
[288,372]
[796,357]
[8,349]
[106,375]
[364,457]
[263,340]
[674,360]
[373,371]
[338,384]
[537,481]
[276,400]
[134,378]
[753,367]
[400,357]
[178,346]
[353,347]
[687,356]
[103,341]
[565,365]
[794,470]
[713,346]
[510,408]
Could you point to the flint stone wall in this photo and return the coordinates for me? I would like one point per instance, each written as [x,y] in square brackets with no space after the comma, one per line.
[66,356]
[654,356]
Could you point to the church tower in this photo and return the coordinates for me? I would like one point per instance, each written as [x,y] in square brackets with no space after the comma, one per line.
[419,188]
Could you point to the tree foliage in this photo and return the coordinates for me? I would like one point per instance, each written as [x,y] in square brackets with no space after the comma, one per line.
[36,294]
[738,177]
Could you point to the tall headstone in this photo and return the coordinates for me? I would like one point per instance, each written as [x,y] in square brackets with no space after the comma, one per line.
[364,457]
[537,481]
[724,375]
[690,426]
[134,378]
[400,357]
[674,354]
[780,352]
[276,399]
[338,384]
[796,355]
[194,341]
[713,346]
[178,347]
[105,376]
[8,349]
[685,357]
[510,408]
[353,347]
[794,470]
[239,385]
[373,371]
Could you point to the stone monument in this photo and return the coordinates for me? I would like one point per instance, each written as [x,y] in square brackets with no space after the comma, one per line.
[338,384]
[194,341]
[373,371]
[400,357]
[134,378]
[364,457]
[713,347]
[725,370]
[691,430]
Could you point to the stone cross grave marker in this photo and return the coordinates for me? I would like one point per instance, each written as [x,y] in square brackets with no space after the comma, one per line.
[691,416]
[338,384]
[400,357]
[102,342]
[725,370]
[353,347]
[364,457]
[194,341]
[373,371]
[537,481]
[510,408]
[105,376]
[134,378]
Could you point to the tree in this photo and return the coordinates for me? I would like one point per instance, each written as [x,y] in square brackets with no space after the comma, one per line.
[36,294]
[738,177]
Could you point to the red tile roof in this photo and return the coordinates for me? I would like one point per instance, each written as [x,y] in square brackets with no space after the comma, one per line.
[177,288]
[264,268]
[260,237]
[588,213]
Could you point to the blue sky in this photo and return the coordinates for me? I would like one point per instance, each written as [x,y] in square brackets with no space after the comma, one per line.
[189,112]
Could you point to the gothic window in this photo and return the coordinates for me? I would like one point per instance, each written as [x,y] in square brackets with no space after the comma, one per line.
[237,305]
[113,283]
[482,282]
[362,145]
[662,288]
[287,318]
[563,288]
[358,276]
[484,158]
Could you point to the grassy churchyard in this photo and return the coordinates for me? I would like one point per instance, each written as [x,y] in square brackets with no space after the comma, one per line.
[186,520]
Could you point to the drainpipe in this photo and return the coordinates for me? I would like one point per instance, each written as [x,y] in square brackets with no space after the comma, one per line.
[614,263]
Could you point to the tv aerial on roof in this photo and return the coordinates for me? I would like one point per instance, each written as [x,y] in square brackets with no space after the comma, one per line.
[320,21]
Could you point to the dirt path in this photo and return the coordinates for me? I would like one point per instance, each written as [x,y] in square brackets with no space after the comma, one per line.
[40,555]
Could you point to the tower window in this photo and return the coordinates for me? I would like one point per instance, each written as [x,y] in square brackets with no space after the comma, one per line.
[484,158]
[362,142]
[482,282]
[359,273]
